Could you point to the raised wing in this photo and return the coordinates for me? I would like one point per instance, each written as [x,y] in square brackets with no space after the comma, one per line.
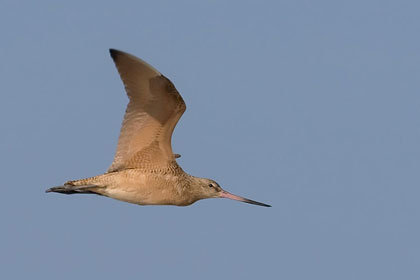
[154,109]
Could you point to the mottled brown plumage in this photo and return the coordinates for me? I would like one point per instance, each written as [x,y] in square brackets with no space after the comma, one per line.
[144,170]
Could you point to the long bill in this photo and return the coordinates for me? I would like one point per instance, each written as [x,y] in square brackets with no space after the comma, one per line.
[225,194]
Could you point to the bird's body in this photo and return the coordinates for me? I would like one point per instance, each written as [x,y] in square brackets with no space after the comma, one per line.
[144,170]
[170,186]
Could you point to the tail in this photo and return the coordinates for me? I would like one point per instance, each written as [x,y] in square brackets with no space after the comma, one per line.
[71,189]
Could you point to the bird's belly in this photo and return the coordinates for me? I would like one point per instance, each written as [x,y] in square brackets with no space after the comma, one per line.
[145,190]
[138,196]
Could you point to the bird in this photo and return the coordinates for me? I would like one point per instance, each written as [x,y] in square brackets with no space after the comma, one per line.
[144,170]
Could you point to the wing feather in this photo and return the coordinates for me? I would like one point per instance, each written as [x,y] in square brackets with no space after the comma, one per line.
[152,113]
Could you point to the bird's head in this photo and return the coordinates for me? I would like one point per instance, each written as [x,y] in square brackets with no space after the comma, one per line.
[208,188]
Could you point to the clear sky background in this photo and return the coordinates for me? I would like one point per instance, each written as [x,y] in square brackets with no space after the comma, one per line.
[311,106]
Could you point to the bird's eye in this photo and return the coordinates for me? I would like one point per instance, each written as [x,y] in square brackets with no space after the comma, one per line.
[211,185]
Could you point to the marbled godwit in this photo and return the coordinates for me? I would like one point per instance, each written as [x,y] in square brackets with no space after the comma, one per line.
[144,170]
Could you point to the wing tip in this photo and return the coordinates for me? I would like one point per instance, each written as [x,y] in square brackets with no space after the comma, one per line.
[114,53]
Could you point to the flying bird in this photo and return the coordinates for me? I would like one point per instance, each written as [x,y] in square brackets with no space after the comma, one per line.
[144,170]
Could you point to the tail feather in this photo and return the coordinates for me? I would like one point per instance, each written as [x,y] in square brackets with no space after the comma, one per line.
[70,189]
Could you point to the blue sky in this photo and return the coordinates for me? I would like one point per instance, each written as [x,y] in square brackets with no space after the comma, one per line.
[310,106]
